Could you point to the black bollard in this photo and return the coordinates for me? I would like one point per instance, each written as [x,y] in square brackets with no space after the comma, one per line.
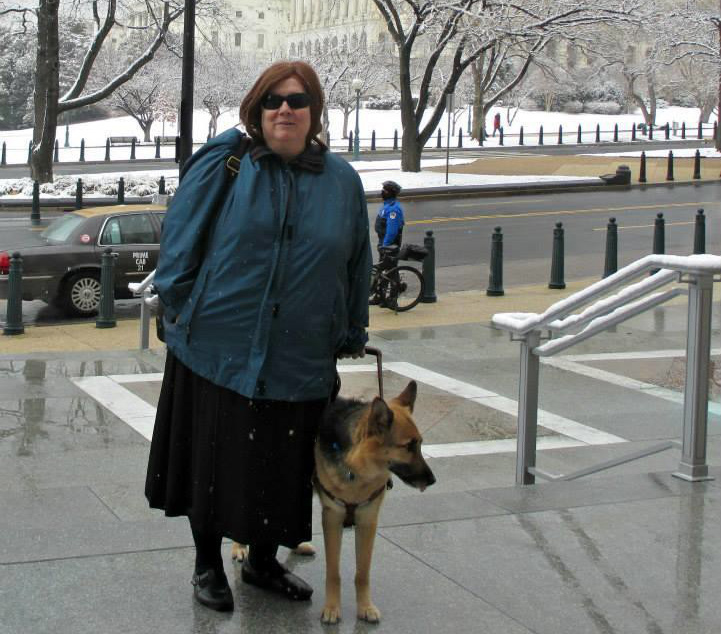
[82,150]
[650,131]
[460,137]
[540,136]
[79,194]
[438,141]
[667,131]
[14,314]
[429,270]
[700,130]
[395,139]
[520,137]
[699,233]
[67,136]
[500,135]
[106,312]
[327,138]
[107,149]
[161,186]
[669,168]
[3,157]
[157,147]
[557,258]
[373,141]
[132,149]
[121,191]
[495,278]
[350,141]
[659,237]
[697,165]
[715,130]
[177,149]
[598,133]
[30,152]
[633,132]
[610,265]
[35,210]
[560,135]
[683,129]
[56,152]
[579,136]
[615,133]
[642,169]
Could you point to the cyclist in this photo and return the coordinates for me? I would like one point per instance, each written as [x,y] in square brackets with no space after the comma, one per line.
[388,226]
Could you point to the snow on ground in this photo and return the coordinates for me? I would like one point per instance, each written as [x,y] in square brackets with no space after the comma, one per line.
[705,152]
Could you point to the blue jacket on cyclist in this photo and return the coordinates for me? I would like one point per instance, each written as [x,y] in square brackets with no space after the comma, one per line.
[389,221]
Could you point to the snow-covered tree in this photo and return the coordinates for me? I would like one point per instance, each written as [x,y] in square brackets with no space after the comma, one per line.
[16,79]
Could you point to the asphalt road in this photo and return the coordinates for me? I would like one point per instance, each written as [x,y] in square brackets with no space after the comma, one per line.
[463,227]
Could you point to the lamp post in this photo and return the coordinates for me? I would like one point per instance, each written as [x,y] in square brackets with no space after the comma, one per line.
[187,82]
[356,84]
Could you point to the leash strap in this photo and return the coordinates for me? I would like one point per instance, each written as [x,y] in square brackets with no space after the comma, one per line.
[379,363]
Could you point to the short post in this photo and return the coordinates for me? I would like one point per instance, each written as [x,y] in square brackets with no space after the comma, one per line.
[610,265]
[615,133]
[106,313]
[350,141]
[35,210]
[715,130]
[14,315]
[527,409]
[633,132]
[520,136]
[495,278]
[67,136]
[161,186]
[659,237]
[650,131]
[540,136]
[373,141]
[693,467]
[500,135]
[3,156]
[177,150]
[395,139]
[700,130]
[699,233]
[560,135]
[107,149]
[460,137]
[669,166]
[438,140]
[683,129]
[79,194]
[30,152]
[429,270]
[132,149]
[82,150]
[578,135]
[667,131]
[598,133]
[157,147]
[557,258]
[642,169]
[121,191]
[56,152]
[697,166]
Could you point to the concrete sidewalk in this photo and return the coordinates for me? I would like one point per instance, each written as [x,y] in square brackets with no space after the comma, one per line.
[623,551]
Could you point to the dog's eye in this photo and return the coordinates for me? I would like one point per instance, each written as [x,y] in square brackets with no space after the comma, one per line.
[410,446]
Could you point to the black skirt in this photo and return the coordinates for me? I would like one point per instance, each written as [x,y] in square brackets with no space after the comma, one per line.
[239,467]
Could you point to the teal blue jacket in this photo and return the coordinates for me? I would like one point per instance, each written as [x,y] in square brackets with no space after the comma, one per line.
[265,286]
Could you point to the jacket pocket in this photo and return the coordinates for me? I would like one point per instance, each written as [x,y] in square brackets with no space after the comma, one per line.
[185,318]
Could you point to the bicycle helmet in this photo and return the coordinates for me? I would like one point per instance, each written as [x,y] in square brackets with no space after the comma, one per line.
[391,189]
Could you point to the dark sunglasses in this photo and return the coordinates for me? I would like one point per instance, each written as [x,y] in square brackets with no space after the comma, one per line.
[296,101]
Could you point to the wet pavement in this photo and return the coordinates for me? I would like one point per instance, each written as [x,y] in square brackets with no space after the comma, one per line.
[628,550]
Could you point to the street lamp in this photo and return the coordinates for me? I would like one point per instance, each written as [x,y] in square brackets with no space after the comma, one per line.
[356,84]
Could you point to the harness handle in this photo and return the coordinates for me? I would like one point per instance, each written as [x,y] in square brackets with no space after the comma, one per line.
[379,362]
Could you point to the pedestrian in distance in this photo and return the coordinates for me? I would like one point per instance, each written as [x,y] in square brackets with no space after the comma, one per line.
[263,273]
[496,123]
[388,225]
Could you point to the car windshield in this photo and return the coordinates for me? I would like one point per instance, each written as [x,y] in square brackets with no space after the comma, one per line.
[60,230]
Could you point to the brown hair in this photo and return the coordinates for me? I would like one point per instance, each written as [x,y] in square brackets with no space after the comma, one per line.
[250,108]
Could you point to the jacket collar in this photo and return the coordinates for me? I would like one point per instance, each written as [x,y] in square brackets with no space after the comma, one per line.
[311,159]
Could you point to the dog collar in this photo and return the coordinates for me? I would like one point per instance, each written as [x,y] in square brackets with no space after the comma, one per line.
[350,509]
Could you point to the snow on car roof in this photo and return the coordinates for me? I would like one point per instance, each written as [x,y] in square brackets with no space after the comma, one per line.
[89,212]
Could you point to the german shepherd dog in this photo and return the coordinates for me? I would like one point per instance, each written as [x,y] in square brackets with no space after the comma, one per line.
[359,446]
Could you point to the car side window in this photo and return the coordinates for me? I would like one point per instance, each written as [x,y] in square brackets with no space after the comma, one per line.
[130,229]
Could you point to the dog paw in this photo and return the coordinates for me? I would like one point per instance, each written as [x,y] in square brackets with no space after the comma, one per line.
[306,549]
[369,613]
[330,615]
[238,552]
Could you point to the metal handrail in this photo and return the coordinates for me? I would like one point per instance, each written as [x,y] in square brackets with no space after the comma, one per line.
[697,273]
[145,290]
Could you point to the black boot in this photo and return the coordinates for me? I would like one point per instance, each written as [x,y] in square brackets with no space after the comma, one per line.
[211,589]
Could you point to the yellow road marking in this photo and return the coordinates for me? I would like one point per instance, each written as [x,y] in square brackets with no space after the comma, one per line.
[507,202]
[667,224]
[557,212]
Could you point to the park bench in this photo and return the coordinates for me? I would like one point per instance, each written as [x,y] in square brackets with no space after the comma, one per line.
[122,140]
[164,139]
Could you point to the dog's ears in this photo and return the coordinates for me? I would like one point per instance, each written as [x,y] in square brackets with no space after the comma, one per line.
[407,397]
[380,418]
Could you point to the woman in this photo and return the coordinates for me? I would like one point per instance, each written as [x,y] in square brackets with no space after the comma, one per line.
[264,281]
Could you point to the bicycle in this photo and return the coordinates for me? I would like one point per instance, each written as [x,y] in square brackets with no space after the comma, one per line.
[398,288]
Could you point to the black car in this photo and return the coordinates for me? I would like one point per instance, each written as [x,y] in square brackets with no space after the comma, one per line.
[63,266]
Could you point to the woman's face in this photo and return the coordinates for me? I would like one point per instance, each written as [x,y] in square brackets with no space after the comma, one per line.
[285,130]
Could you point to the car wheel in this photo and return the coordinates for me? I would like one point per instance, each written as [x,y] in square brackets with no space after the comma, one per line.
[81,294]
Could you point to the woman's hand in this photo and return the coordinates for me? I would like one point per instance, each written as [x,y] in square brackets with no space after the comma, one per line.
[353,355]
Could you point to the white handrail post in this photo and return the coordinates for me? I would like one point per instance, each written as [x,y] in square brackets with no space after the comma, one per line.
[145,318]
[693,465]
[527,408]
